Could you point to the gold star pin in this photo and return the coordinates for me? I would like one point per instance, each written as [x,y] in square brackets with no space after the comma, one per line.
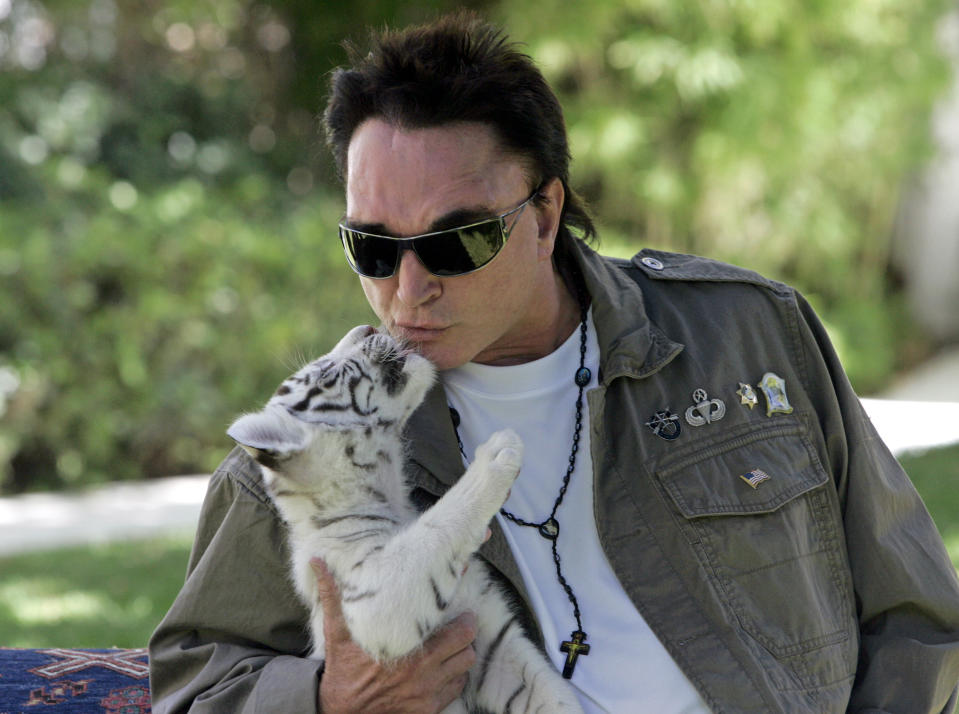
[747,396]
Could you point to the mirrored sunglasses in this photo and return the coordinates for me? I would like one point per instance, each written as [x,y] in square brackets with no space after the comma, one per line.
[456,251]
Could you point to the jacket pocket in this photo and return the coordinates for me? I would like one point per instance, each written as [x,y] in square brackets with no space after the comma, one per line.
[756,509]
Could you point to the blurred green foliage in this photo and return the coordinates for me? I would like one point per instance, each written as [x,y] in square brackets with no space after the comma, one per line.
[167,251]
[137,333]
[167,226]
[773,134]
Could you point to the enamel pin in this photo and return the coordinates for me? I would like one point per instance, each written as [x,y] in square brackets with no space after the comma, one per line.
[665,425]
[755,477]
[747,396]
[704,409]
[774,387]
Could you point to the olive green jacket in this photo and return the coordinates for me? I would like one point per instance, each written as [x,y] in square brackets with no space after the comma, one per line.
[822,588]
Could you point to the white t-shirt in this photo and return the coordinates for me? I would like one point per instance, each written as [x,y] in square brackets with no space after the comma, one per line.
[627,669]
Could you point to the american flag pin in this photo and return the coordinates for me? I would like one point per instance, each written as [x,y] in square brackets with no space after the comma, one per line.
[755,477]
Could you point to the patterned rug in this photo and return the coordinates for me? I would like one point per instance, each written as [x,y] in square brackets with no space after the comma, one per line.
[74,681]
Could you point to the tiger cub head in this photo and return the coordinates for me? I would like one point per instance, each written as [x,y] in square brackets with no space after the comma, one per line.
[333,413]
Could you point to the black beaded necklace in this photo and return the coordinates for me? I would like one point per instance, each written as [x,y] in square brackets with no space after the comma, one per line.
[549,528]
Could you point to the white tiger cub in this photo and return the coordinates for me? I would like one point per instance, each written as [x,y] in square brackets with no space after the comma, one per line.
[330,447]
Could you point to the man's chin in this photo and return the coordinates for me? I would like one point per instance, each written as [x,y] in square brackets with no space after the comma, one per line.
[437,346]
[443,356]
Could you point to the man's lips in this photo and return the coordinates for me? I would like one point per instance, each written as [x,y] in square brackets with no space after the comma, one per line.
[420,333]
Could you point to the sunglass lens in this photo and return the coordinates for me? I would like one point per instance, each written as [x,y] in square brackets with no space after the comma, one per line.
[371,256]
[460,251]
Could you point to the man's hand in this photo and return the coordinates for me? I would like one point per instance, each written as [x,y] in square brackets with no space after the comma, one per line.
[425,681]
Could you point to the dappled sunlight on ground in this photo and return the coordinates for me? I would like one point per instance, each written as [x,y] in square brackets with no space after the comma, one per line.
[97,596]
[45,600]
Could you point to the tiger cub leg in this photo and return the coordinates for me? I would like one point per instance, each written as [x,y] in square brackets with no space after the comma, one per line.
[511,673]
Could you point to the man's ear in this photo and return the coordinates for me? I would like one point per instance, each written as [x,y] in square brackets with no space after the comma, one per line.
[268,438]
[548,213]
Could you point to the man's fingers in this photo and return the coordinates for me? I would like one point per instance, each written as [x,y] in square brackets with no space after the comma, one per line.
[452,653]
[460,662]
[427,679]
[450,691]
[334,625]
[455,636]
[326,585]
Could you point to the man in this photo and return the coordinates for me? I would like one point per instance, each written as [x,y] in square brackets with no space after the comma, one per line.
[703,505]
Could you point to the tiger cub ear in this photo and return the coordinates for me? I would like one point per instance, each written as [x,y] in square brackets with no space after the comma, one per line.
[268,439]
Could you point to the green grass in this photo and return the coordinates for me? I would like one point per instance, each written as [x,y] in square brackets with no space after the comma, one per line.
[114,595]
[936,476]
[101,596]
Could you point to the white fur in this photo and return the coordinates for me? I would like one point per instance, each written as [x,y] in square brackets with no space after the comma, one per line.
[400,579]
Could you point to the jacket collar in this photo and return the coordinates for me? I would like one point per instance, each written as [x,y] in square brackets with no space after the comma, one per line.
[433,445]
[630,345]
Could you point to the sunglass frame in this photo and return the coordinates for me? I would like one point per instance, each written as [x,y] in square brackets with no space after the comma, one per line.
[410,243]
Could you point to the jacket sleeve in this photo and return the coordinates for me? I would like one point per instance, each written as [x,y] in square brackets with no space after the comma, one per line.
[907,593]
[234,639]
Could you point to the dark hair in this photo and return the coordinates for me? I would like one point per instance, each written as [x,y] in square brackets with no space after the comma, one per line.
[457,69]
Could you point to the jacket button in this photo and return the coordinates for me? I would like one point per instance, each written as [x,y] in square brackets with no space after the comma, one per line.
[652,263]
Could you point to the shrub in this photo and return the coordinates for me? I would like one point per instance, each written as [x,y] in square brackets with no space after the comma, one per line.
[771,134]
[130,338]
[167,239]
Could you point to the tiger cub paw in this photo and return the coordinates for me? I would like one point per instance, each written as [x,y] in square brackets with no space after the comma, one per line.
[503,454]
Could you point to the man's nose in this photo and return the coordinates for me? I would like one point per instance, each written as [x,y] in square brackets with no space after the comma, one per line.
[415,284]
